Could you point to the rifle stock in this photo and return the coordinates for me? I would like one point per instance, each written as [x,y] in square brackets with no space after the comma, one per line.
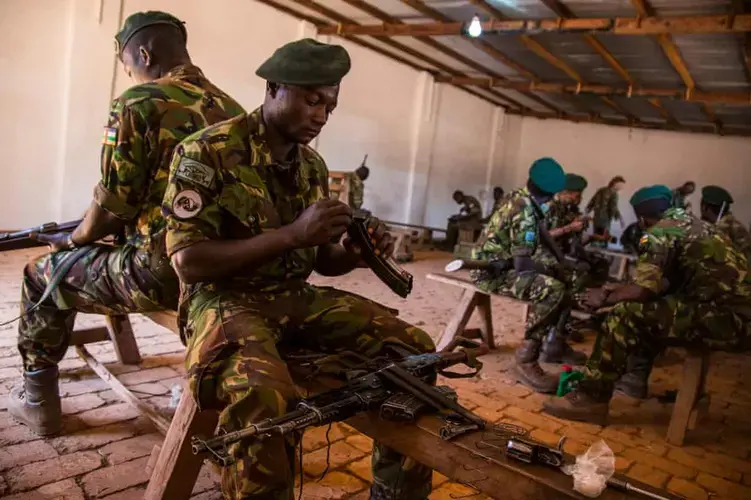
[18,240]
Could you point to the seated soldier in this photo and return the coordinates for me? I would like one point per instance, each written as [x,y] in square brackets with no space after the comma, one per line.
[244,243]
[715,209]
[471,211]
[510,240]
[690,284]
[172,100]
[497,200]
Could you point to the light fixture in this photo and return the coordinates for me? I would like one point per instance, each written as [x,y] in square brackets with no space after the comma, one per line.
[475,27]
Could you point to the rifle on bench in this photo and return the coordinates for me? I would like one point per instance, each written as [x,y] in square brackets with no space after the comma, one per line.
[22,239]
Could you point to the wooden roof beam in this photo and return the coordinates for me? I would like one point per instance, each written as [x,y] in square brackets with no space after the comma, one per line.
[684,25]
[706,129]
[605,90]
[670,119]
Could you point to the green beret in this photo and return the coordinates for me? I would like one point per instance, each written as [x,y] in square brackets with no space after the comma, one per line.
[140,20]
[575,182]
[656,192]
[715,195]
[306,63]
[547,174]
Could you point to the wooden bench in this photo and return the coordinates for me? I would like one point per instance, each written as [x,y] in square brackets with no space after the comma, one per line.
[691,402]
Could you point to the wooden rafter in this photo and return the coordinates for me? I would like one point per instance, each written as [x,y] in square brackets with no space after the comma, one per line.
[663,112]
[689,25]
[386,17]
[541,51]
[331,14]
[607,90]
[704,129]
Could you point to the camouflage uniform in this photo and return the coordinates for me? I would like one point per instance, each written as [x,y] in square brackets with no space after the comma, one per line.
[233,326]
[708,299]
[605,206]
[472,208]
[737,233]
[513,231]
[356,190]
[145,124]
[679,200]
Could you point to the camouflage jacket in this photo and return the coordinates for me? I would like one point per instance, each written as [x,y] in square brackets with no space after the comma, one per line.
[512,231]
[224,184]
[737,233]
[356,190]
[696,261]
[472,207]
[563,214]
[604,204]
[145,125]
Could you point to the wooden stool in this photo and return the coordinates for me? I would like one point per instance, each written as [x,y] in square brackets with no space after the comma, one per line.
[687,409]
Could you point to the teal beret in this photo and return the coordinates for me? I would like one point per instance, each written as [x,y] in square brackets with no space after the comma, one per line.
[306,63]
[715,195]
[656,192]
[575,182]
[140,20]
[547,174]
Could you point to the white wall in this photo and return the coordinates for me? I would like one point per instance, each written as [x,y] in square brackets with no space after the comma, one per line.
[63,74]
[642,157]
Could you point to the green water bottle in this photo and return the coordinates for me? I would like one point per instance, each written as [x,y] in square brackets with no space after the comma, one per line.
[568,380]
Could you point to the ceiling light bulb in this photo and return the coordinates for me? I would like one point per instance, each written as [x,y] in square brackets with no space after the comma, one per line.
[475,27]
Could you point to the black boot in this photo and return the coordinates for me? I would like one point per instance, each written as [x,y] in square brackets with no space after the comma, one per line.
[530,372]
[555,349]
[36,402]
[589,402]
[635,382]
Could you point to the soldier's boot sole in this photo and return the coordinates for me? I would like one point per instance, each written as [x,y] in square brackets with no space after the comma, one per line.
[590,412]
[44,418]
[534,377]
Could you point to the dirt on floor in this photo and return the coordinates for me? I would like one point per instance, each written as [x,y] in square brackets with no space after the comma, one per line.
[106,445]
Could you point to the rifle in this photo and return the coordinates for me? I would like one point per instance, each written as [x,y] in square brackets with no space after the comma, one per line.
[384,266]
[21,239]
[398,390]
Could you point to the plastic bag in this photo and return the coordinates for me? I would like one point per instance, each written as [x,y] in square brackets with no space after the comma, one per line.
[592,469]
[175,392]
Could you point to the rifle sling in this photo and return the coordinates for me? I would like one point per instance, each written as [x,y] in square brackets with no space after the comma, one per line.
[57,277]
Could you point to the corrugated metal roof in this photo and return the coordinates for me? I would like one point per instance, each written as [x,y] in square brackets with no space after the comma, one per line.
[716,62]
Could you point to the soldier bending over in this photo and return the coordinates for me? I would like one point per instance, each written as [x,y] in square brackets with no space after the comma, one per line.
[172,100]
[715,209]
[690,283]
[260,223]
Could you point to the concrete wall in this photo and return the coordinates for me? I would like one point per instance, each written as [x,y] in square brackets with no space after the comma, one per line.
[423,139]
[63,73]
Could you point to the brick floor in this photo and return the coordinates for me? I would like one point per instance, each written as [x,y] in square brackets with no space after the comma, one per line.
[104,452]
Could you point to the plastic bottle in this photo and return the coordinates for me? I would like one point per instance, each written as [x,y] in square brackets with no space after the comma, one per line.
[568,380]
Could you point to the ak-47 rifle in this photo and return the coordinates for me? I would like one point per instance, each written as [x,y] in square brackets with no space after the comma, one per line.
[397,390]
[22,239]
[384,266]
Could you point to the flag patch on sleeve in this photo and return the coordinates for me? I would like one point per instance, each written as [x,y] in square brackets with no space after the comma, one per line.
[110,136]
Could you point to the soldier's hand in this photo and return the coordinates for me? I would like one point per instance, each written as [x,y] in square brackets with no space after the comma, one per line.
[577,226]
[56,241]
[379,238]
[594,298]
[322,222]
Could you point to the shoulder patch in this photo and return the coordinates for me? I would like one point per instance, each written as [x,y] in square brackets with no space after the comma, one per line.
[530,236]
[110,136]
[195,172]
[187,204]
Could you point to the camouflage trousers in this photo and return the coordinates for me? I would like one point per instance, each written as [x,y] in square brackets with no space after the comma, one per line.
[575,280]
[234,365]
[105,280]
[637,327]
[548,296]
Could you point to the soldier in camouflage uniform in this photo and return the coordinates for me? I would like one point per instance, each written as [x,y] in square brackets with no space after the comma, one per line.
[172,100]
[690,283]
[604,204]
[244,236]
[357,186]
[510,239]
[715,204]
[471,211]
[681,193]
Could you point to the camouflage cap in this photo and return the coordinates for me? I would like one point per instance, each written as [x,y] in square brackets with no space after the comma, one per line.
[305,63]
[649,193]
[547,174]
[140,20]
[715,195]
[575,182]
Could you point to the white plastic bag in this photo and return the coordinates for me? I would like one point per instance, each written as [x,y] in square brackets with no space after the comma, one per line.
[175,392]
[592,469]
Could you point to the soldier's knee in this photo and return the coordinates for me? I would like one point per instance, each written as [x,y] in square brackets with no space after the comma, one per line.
[421,340]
